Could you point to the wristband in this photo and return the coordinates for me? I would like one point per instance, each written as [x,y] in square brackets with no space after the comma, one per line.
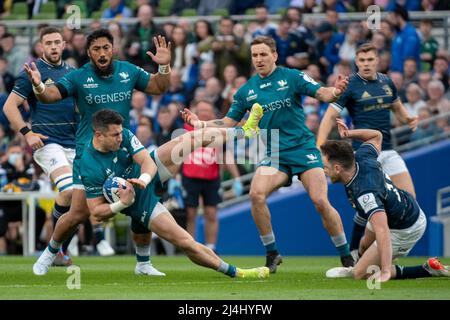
[39,89]
[24,130]
[164,69]
[146,178]
[334,94]
[118,206]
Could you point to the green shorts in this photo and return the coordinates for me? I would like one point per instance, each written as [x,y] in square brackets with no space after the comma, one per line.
[77,183]
[294,161]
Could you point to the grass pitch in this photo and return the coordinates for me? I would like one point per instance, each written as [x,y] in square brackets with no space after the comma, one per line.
[297,278]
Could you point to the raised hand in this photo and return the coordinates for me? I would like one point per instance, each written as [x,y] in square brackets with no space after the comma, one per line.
[33,73]
[342,128]
[341,84]
[163,52]
[190,118]
[137,182]
[34,140]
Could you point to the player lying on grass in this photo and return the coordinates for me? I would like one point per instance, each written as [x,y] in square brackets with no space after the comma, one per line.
[395,220]
[116,152]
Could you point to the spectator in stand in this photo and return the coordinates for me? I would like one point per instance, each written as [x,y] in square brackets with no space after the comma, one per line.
[140,39]
[5,77]
[409,71]
[207,7]
[119,41]
[312,121]
[139,102]
[78,51]
[336,5]
[264,26]
[239,7]
[347,51]
[427,130]
[406,42]
[428,45]
[275,6]
[176,91]
[328,47]
[145,135]
[440,71]
[12,53]
[424,79]
[180,59]
[332,17]
[379,42]
[117,10]
[201,177]
[397,79]
[165,126]
[414,96]
[437,102]
[230,73]
[410,5]
[214,95]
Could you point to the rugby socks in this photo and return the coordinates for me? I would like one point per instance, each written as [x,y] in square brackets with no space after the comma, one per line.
[57,212]
[268,241]
[212,246]
[99,233]
[227,269]
[54,246]
[411,272]
[340,242]
[143,253]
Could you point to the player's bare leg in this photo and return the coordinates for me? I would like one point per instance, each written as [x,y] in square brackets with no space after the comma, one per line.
[264,182]
[404,181]
[165,226]
[67,224]
[315,183]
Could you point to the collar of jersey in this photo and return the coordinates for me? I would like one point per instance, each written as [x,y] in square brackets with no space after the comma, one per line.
[354,176]
[52,65]
[269,76]
[367,80]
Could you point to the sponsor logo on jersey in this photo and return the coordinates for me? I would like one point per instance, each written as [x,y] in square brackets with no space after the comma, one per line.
[251,95]
[365,95]
[367,202]
[136,144]
[109,172]
[90,84]
[283,85]
[265,85]
[108,98]
[125,77]
[388,90]
[278,104]
[250,92]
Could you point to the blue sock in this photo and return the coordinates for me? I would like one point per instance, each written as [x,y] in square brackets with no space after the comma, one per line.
[341,244]
[411,272]
[269,243]
[58,211]
[99,233]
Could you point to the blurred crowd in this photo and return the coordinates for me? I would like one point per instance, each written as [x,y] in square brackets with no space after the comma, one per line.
[210,61]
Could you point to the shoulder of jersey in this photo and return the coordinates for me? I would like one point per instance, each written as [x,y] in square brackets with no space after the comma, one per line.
[382,76]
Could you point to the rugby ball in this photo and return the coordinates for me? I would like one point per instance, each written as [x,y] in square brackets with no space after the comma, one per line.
[111,188]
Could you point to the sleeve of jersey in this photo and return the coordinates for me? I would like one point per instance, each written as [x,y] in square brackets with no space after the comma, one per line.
[238,108]
[93,186]
[67,84]
[366,151]
[304,84]
[142,78]
[22,86]
[342,102]
[132,142]
[368,203]
[394,89]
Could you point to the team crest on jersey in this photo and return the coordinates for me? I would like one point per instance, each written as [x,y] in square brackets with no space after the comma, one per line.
[125,77]
[388,90]
[49,81]
[312,158]
[90,83]
[283,85]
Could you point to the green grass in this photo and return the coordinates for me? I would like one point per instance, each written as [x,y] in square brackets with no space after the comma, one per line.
[297,278]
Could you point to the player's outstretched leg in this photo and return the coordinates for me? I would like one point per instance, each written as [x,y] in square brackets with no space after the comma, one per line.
[165,226]
[142,239]
[65,227]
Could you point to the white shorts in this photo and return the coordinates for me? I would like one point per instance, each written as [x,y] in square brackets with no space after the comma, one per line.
[392,163]
[157,210]
[52,156]
[405,239]
[164,173]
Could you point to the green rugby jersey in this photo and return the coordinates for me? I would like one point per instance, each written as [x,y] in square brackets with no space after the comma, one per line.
[93,93]
[280,96]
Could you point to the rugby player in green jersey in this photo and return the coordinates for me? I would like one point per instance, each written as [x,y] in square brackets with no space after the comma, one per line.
[279,91]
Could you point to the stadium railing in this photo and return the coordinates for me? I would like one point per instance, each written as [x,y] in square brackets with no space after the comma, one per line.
[443,216]
[29,200]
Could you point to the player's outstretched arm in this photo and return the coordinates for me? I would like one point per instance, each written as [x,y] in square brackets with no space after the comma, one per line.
[331,94]
[46,94]
[326,125]
[148,169]
[383,237]
[160,81]
[191,119]
[11,109]
[373,137]
[403,116]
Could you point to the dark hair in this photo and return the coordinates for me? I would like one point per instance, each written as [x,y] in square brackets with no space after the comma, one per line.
[269,41]
[340,152]
[103,118]
[402,12]
[366,47]
[8,35]
[49,30]
[100,33]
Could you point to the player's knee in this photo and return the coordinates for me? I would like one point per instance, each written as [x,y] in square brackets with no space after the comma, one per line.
[66,196]
[257,197]
[320,203]
[186,242]
[359,273]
